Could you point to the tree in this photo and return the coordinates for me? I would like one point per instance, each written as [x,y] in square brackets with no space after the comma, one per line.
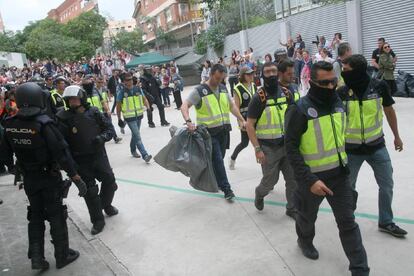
[8,42]
[131,42]
[87,27]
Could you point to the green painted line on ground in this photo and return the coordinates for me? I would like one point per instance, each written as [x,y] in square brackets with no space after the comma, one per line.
[246,199]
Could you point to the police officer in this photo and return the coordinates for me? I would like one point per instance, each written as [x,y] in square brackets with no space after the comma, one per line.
[265,127]
[213,105]
[130,102]
[57,93]
[39,148]
[365,100]
[86,130]
[96,99]
[243,93]
[315,147]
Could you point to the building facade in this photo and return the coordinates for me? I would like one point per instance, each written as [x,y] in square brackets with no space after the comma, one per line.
[115,27]
[179,18]
[2,29]
[70,9]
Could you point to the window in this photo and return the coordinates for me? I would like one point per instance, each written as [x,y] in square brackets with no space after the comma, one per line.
[183,10]
[168,15]
[158,20]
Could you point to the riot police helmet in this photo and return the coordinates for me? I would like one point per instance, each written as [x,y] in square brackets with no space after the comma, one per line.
[75,91]
[30,99]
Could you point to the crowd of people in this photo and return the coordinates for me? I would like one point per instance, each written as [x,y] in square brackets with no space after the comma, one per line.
[53,121]
[383,60]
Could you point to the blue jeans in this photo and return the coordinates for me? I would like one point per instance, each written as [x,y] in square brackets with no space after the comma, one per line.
[136,142]
[380,162]
[219,151]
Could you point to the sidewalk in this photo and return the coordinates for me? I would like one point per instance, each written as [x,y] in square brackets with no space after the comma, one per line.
[95,258]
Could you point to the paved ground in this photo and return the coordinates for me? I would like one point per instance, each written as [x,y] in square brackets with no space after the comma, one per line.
[166,228]
[95,259]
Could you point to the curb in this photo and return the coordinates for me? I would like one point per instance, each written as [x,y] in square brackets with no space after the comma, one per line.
[101,249]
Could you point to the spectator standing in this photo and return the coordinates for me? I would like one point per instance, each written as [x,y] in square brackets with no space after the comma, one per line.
[377,52]
[387,67]
[344,51]
[299,44]
[298,65]
[178,87]
[336,41]
[290,47]
[305,73]
[205,74]
[165,88]
[324,56]
[233,73]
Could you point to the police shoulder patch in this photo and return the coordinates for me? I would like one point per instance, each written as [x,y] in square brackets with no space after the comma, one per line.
[312,112]
[205,92]
[245,96]
[339,110]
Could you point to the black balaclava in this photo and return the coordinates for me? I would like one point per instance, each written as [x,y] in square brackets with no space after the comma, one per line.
[357,79]
[271,84]
[321,94]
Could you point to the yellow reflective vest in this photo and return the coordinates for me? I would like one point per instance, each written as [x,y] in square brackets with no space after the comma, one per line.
[270,125]
[364,117]
[213,112]
[323,144]
[132,104]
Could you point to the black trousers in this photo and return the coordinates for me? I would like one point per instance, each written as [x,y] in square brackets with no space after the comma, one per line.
[343,204]
[45,204]
[233,81]
[111,126]
[177,98]
[92,168]
[157,101]
[113,105]
[243,144]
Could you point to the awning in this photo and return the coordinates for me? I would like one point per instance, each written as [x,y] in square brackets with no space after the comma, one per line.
[151,58]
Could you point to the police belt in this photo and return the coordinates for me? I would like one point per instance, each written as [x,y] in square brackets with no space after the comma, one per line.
[40,169]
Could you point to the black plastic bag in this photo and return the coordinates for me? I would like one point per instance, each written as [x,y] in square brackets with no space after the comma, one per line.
[401,84]
[410,85]
[190,154]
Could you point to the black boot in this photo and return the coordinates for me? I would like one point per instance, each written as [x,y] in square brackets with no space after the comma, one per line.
[98,227]
[111,211]
[64,255]
[36,234]
[37,256]
[93,201]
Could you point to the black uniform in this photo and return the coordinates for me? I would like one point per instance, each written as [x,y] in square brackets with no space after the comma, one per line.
[86,134]
[39,148]
[151,87]
[343,201]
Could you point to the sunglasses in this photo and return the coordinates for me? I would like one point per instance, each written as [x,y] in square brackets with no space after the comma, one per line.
[333,81]
[386,47]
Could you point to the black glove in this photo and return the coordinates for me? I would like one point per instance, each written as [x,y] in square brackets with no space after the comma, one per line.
[98,141]
[81,187]
[121,123]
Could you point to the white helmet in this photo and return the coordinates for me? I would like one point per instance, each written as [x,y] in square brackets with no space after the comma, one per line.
[74,91]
